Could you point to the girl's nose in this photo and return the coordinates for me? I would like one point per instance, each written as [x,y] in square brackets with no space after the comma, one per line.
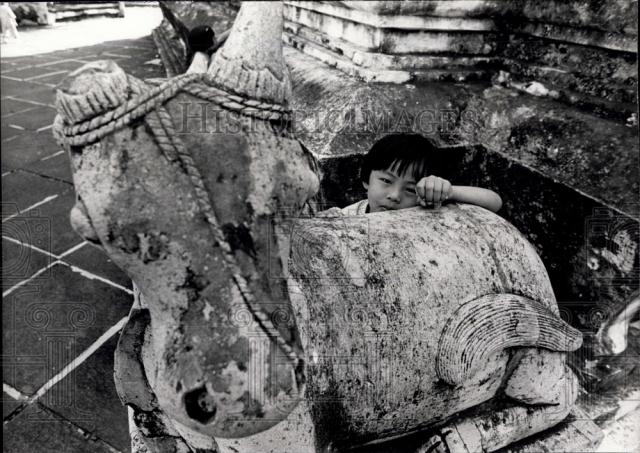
[393,195]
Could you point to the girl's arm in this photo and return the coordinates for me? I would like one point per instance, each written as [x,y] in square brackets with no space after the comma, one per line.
[432,191]
[485,198]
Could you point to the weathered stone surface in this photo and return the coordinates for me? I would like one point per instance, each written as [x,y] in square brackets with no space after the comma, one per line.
[32,11]
[590,249]
[375,294]
[525,385]
[353,37]
[578,433]
[208,262]
[619,16]
[172,49]
[591,154]
[131,380]
[577,70]
[429,8]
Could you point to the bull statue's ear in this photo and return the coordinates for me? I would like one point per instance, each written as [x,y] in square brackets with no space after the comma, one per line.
[250,63]
[492,323]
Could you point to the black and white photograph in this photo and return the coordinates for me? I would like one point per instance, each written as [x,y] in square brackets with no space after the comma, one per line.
[320,226]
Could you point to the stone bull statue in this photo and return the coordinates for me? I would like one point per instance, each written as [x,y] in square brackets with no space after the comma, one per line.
[255,330]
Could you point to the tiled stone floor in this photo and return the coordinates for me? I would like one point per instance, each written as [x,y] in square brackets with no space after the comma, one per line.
[64,302]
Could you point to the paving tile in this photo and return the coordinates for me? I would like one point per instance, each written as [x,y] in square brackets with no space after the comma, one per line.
[96,261]
[137,53]
[13,106]
[8,133]
[28,72]
[29,60]
[38,429]
[54,165]
[63,237]
[20,190]
[88,398]
[25,90]
[20,262]
[6,66]
[5,168]
[8,405]
[52,80]
[33,119]
[46,68]
[28,148]
[45,96]
[83,53]
[46,326]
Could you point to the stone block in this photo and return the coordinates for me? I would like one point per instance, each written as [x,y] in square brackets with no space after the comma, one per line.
[571,68]
[429,8]
[36,12]
[574,435]
[594,155]
[433,38]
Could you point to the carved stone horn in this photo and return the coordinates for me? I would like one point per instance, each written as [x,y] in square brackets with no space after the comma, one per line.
[251,63]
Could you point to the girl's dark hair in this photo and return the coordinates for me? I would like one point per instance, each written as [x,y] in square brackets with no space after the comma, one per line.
[401,152]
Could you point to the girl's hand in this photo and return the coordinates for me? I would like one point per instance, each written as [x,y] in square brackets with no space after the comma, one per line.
[432,191]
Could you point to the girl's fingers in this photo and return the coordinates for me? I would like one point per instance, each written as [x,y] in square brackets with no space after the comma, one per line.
[437,191]
[428,193]
[446,191]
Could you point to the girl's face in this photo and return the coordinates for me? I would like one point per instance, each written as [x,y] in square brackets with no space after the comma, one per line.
[387,190]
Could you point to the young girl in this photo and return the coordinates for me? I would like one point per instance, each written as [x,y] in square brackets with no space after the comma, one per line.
[395,173]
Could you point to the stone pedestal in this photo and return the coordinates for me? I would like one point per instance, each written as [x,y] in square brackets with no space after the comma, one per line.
[444,40]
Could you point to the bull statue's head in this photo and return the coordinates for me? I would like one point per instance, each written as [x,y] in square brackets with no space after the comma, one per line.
[182,183]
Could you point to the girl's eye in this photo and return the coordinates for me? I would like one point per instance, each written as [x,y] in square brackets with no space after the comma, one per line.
[385,180]
[411,190]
